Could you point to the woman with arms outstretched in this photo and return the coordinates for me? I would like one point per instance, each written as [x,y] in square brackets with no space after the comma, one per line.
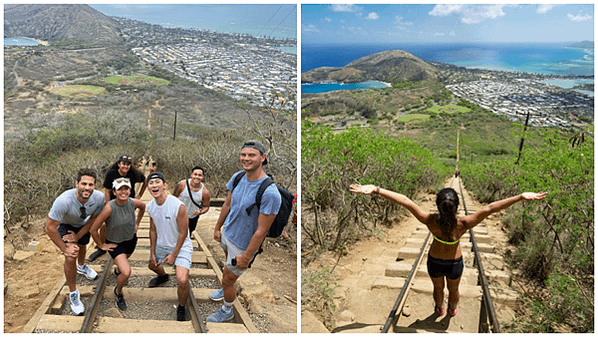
[445,259]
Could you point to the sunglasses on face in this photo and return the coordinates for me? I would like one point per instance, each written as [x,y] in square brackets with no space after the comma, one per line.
[83,212]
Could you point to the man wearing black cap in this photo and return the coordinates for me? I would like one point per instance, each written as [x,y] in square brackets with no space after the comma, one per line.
[123,168]
[241,234]
[169,239]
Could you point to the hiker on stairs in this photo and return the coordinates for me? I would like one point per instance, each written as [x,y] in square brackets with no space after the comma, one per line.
[194,195]
[121,233]
[445,258]
[169,239]
[241,234]
[68,225]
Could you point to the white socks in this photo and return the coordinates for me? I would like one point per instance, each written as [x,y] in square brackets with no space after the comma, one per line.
[227,307]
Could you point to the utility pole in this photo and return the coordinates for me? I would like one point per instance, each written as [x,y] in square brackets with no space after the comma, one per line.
[522,135]
[174,134]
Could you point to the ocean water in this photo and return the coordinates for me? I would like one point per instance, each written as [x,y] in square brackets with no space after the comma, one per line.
[19,41]
[274,20]
[555,59]
[326,87]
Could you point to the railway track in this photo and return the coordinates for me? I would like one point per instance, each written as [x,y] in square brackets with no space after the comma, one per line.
[149,310]
[413,310]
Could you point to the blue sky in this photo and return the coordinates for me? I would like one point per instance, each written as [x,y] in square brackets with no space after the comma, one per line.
[346,24]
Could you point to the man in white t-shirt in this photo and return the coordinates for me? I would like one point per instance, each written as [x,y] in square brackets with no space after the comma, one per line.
[169,239]
[68,225]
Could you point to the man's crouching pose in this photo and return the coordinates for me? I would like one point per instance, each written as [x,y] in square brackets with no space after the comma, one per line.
[169,239]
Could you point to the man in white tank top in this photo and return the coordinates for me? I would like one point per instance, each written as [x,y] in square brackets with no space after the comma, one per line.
[199,196]
[169,239]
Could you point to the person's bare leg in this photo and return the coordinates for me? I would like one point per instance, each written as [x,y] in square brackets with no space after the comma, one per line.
[453,288]
[182,277]
[70,272]
[438,294]
[122,263]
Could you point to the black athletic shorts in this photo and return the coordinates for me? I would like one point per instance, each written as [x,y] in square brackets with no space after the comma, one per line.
[64,229]
[125,247]
[193,224]
[452,269]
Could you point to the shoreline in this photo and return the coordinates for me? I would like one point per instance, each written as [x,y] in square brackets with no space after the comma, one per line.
[43,43]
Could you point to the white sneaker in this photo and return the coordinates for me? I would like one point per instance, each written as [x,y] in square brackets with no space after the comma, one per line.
[88,272]
[76,304]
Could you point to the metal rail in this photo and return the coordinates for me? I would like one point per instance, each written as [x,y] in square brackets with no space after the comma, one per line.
[398,306]
[487,310]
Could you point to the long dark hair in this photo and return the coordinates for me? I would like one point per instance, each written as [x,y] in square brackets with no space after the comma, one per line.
[447,202]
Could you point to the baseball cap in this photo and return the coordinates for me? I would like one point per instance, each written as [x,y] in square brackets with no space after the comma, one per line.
[120,182]
[155,175]
[125,158]
[254,144]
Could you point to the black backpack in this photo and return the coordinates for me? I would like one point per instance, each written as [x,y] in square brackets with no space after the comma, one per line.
[286,205]
[282,218]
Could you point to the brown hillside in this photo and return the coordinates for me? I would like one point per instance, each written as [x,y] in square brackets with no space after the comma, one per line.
[60,22]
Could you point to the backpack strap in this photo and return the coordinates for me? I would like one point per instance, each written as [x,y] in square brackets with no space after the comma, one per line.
[258,196]
[191,195]
[238,179]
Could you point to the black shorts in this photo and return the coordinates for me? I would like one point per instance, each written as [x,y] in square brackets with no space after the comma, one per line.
[125,247]
[193,224]
[64,229]
[452,269]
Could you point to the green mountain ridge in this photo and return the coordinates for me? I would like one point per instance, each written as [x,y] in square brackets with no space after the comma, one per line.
[387,66]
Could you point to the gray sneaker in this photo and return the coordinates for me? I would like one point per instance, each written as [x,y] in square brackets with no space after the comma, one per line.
[217,295]
[76,304]
[88,272]
[220,316]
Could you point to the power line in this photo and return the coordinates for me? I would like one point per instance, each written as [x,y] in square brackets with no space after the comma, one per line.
[292,10]
[258,34]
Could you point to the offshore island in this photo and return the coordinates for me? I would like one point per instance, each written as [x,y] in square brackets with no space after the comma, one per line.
[510,94]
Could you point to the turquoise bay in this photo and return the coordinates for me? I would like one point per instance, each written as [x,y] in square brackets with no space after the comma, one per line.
[326,87]
[19,41]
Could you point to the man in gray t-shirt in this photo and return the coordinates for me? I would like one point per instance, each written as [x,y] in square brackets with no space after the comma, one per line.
[68,226]
[241,234]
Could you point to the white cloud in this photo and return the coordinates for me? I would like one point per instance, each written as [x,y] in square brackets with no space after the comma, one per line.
[399,21]
[542,9]
[310,28]
[444,10]
[345,8]
[373,16]
[579,17]
[327,19]
[438,34]
[469,13]
[452,33]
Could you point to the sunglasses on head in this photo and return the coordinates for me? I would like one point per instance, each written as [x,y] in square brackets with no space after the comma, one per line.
[249,142]
[120,180]
[83,212]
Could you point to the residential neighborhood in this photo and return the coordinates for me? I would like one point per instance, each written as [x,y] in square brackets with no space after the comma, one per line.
[257,70]
[246,72]
[514,95]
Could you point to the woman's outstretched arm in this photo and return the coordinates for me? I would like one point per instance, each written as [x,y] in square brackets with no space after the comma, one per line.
[471,221]
[423,217]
